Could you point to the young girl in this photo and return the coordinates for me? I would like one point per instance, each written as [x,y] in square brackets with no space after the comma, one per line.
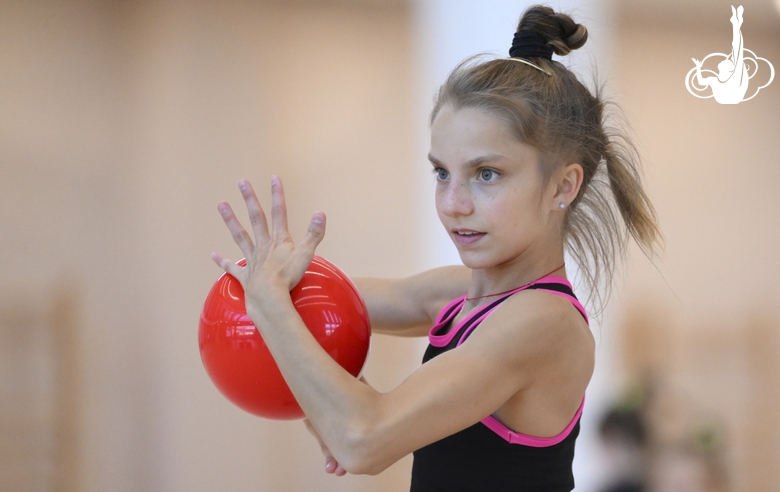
[524,170]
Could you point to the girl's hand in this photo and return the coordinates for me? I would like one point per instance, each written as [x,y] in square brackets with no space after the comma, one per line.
[274,265]
[331,465]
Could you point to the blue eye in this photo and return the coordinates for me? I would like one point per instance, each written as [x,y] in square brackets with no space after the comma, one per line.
[441,174]
[487,175]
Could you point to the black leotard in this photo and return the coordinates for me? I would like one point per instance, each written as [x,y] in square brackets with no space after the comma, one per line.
[489,457]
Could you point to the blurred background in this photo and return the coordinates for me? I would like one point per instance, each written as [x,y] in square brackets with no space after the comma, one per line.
[123,124]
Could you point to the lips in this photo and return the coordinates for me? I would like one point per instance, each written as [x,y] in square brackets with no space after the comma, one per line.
[466,237]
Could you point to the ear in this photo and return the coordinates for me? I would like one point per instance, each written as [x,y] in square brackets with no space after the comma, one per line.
[568,182]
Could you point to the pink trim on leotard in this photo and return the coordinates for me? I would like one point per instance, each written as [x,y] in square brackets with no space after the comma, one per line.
[474,325]
[573,300]
[491,422]
[439,318]
[443,340]
[513,437]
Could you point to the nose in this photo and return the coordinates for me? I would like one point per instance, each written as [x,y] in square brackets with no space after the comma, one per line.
[453,199]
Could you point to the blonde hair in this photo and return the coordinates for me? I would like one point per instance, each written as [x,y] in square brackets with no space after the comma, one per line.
[561,118]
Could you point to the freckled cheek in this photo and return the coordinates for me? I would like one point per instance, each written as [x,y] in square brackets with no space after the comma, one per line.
[512,216]
[501,205]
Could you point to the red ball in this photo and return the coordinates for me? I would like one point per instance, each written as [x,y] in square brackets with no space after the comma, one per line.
[238,361]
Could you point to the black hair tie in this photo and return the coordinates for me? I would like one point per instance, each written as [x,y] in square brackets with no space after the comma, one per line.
[530,44]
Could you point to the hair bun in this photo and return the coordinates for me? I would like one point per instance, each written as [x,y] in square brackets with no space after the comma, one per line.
[560,31]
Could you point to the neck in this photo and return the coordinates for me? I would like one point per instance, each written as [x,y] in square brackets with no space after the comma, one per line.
[534,261]
[489,282]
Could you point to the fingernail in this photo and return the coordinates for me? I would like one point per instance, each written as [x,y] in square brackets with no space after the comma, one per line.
[317,219]
[274,180]
[242,184]
[222,208]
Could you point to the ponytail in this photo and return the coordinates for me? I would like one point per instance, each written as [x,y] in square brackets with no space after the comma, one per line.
[548,108]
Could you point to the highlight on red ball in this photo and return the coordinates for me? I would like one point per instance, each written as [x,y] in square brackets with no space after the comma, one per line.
[238,361]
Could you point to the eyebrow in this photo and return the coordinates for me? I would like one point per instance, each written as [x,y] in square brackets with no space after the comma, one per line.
[476,162]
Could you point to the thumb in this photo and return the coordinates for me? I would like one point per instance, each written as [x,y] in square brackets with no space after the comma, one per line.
[314,234]
[304,251]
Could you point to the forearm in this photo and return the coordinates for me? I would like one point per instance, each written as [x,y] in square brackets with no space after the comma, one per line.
[340,407]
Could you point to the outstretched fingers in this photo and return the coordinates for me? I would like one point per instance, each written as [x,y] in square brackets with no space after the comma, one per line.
[280,233]
[256,214]
[273,249]
[240,236]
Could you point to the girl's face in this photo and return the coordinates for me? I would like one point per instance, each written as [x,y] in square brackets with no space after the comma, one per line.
[489,195]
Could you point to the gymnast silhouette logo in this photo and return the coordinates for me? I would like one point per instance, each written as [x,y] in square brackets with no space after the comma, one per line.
[735,70]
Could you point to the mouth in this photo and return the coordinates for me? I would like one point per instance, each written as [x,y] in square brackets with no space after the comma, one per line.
[466,237]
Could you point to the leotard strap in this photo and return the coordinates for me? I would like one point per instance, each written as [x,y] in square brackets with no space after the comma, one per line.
[554,285]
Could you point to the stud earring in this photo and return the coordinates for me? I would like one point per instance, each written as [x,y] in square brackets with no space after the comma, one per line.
[561,205]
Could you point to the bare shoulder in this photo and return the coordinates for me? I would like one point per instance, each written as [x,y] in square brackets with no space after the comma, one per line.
[546,352]
[540,329]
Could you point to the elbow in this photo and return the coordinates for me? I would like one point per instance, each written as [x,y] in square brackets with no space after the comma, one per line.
[362,455]
[363,467]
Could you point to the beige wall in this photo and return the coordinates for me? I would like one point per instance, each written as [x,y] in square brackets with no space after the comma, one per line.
[712,305]
[709,168]
[123,125]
